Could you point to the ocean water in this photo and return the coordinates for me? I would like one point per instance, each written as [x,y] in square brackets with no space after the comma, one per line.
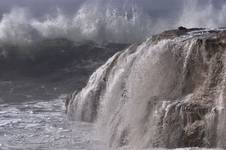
[42,125]
[32,93]
[41,59]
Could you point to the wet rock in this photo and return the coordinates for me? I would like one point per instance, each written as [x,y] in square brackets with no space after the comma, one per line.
[182,28]
[168,91]
[194,134]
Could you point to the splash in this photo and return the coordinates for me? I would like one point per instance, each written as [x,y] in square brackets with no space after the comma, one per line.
[105,21]
[194,15]
[92,22]
[163,92]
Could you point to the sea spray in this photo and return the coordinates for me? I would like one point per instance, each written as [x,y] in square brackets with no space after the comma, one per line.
[163,92]
[105,21]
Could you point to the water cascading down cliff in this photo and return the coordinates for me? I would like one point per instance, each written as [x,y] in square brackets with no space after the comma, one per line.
[168,91]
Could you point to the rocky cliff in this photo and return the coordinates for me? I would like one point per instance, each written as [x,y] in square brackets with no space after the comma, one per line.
[168,91]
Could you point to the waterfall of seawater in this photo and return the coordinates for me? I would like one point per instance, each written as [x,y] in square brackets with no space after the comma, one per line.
[221,105]
[168,91]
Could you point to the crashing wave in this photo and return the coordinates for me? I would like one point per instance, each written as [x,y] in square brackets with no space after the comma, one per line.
[92,21]
[106,21]
[168,91]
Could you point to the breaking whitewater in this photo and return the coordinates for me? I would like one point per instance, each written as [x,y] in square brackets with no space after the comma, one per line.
[103,78]
[168,91]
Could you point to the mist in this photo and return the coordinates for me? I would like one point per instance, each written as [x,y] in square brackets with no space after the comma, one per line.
[103,21]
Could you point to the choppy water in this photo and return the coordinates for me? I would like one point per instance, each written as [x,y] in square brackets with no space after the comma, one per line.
[36,124]
[31,115]
[43,126]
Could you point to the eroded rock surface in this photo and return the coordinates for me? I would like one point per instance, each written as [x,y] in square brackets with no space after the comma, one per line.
[168,91]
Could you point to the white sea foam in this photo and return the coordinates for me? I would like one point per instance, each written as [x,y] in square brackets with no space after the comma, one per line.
[104,21]
[158,94]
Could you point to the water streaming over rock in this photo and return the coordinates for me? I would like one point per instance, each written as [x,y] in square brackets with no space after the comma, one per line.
[168,91]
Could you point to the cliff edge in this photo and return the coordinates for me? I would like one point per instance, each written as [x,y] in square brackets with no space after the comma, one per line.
[168,91]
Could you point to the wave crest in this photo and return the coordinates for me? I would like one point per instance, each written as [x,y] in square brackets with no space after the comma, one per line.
[105,21]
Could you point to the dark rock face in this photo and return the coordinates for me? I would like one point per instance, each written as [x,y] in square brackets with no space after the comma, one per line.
[167,92]
[182,28]
[170,34]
